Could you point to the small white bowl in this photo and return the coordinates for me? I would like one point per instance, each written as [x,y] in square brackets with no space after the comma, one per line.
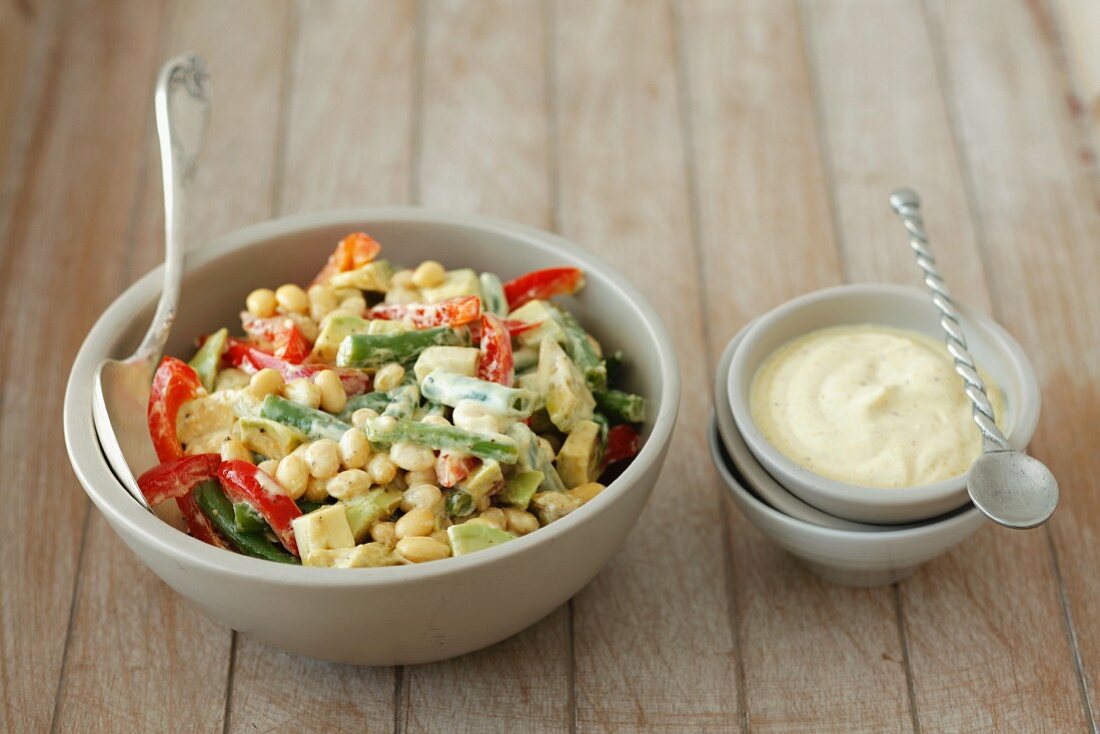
[898,307]
[847,557]
[404,614]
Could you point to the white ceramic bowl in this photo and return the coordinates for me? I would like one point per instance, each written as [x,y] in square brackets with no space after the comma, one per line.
[905,308]
[848,557]
[406,614]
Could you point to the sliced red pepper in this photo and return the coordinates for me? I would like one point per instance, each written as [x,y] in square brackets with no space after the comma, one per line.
[174,383]
[515,327]
[175,478]
[623,443]
[354,251]
[496,363]
[457,311]
[451,468]
[244,482]
[280,333]
[250,358]
[542,284]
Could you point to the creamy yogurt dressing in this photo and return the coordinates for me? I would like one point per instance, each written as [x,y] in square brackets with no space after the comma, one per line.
[868,405]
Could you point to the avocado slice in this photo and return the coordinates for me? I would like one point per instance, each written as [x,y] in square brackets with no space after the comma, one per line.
[268,438]
[578,461]
[521,488]
[472,537]
[370,507]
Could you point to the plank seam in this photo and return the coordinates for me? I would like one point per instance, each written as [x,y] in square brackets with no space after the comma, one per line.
[695,218]
[77,579]
[939,54]
[416,115]
[227,711]
[286,101]
[824,152]
[903,635]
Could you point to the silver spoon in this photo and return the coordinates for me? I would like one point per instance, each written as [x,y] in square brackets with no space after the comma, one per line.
[1010,487]
[182,104]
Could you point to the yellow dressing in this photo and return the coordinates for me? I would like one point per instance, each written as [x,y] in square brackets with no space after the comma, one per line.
[868,405]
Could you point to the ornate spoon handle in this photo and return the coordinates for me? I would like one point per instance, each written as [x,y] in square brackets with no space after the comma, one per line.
[907,205]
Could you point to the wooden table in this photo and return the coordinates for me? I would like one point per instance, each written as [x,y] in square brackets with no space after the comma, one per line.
[726,156]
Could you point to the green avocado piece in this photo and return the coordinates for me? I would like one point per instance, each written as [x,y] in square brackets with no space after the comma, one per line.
[269,438]
[472,537]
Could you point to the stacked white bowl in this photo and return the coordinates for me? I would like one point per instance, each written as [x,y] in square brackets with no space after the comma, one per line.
[849,534]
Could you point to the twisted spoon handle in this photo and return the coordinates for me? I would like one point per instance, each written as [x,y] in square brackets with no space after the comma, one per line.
[907,205]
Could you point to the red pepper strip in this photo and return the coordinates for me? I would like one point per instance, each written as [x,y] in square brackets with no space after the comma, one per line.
[452,468]
[542,284]
[250,358]
[279,332]
[496,363]
[174,383]
[243,482]
[622,443]
[174,479]
[515,327]
[457,311]
[354,251]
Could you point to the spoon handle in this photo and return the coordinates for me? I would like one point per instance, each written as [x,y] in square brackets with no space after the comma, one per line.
[906,203]
[182,105]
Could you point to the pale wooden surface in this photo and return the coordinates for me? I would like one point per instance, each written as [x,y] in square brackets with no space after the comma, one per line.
[726,156]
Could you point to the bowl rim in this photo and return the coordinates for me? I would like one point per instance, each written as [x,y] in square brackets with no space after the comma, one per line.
[113,500]
[788,472]
[888,535]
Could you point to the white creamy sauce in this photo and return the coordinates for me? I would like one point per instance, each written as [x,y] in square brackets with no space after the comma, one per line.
[868,405]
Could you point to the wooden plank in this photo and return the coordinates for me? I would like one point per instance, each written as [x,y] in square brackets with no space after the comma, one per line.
[125,618]
[1079,23]
[490,157]
[992,603]
[347,142]
[349,121]
[1039,229]
[653,643]
[816,657]
[57,267]
[22,37]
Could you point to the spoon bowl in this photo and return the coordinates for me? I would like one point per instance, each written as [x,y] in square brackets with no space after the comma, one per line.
[1013,489]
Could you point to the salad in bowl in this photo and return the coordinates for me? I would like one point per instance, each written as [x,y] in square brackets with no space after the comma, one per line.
[378,416]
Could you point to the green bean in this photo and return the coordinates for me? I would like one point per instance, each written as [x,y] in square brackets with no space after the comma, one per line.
[629,407]
[313,423]
[248,520]
[450,388]
[581,348]
[492,295]
[533,458]
[375,350]
[376,401]
[389,431]
[206,360]
[214,504]
[404,399]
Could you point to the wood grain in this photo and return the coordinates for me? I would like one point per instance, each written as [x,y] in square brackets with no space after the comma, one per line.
[869,55]
[816,657]
[1079,25]
[653,642]
[23,43]
[125,619]
[68,225]
[1039,231]
[350,85]
[484,148]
